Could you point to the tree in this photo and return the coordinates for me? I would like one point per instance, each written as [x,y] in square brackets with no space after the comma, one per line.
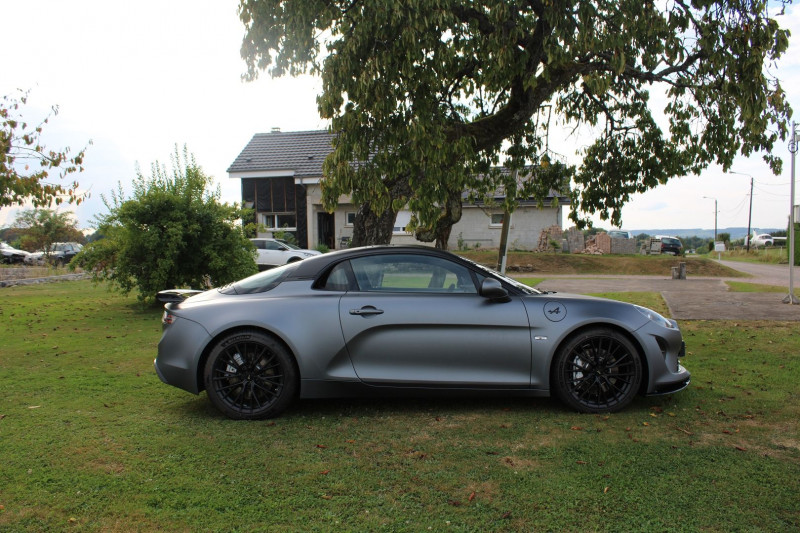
[39,228]
[21,148]
[425,95]
[171,233]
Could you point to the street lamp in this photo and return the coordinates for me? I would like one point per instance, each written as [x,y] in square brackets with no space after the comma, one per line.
[715,216]
[793,142]
[750,216]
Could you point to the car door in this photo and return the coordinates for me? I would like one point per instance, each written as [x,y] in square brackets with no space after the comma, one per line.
[418,320]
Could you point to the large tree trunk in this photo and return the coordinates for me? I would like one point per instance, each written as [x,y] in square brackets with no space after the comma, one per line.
[370,227]
[440,232]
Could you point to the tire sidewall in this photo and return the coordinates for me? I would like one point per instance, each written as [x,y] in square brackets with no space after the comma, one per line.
[559,381]
[289,385]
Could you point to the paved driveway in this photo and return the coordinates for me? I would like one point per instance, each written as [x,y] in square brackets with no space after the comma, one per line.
[698,298]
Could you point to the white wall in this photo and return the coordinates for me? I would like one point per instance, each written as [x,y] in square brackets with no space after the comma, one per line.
[527,224]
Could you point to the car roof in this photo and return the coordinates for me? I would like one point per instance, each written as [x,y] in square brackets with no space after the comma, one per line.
[310,267]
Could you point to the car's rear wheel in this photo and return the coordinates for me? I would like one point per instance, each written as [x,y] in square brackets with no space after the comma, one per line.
[597,371]
[250,375]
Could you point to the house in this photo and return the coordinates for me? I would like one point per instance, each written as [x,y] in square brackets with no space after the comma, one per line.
[280,173]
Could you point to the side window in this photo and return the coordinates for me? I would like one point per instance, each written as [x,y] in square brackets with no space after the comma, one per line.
[337,279]
[259,245]
[272,245]
[411,273]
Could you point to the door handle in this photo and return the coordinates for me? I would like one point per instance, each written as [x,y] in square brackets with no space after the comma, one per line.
[367,310]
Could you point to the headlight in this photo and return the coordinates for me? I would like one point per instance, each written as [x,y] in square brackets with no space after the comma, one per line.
[655,317]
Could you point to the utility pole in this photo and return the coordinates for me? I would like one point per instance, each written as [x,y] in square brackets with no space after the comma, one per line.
[750,216]
[716,211]
[791,298]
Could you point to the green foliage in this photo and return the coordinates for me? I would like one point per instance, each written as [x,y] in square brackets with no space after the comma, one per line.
[171,233]
[426,96]
[21,147]
[322,248]
[284,235]
[39,228]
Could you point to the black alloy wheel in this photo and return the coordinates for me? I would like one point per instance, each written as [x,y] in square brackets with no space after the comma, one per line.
[250,376]
[597,371]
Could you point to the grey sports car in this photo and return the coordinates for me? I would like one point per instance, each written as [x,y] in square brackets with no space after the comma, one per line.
[409,320]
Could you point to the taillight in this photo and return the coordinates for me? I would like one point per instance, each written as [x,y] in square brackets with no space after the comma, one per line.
[167,319]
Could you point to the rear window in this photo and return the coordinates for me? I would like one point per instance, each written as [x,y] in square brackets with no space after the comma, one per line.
[669,240]
[263,281]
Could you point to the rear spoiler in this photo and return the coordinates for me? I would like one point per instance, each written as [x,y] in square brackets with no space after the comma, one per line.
[176,295]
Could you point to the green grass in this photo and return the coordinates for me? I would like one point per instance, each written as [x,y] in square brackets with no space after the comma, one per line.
[738,286]
[91,440]
[616,265]
[771,255]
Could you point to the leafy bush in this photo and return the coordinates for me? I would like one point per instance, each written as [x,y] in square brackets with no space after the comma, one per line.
[171,233]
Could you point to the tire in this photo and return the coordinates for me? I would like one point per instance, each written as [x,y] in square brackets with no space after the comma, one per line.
[250,376]
[597,371]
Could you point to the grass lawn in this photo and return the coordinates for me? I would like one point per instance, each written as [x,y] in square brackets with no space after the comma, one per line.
[738,286]
[91,440]
[619,265]
[770,254]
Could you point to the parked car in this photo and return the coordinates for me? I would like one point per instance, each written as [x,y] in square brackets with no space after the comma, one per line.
[620,234]
[58,253]
[277,252]
[408,320]
[10,255]
[760,239]
[670,245]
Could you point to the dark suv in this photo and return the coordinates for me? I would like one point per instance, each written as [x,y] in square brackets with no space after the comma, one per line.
[671,245]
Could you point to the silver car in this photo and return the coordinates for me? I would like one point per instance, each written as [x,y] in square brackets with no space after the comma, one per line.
[413,321]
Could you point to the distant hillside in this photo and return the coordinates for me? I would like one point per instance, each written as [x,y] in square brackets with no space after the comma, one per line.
[735,233]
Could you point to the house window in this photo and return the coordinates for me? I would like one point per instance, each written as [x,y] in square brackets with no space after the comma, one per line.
[400,223]
[287,221]
[496,220]
[349,218]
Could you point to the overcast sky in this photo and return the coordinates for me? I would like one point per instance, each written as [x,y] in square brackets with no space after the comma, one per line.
[136,78]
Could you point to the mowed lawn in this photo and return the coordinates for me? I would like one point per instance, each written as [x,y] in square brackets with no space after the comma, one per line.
[91,440]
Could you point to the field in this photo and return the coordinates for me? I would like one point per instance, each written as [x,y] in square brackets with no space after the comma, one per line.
[620,265]
[91,440]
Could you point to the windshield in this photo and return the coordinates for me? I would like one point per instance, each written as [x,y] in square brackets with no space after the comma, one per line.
[511,281]
[290,245]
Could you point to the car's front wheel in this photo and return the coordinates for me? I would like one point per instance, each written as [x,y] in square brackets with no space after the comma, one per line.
[250,375]
[597,371]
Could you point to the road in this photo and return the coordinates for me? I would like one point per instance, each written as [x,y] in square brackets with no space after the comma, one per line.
[764,273]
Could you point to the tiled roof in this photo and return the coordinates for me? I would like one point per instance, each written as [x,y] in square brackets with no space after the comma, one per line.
[300,151]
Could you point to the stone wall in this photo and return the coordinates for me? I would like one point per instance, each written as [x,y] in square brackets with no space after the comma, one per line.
[575,240]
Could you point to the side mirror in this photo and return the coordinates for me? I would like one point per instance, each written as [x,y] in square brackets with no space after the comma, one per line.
[493,290]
